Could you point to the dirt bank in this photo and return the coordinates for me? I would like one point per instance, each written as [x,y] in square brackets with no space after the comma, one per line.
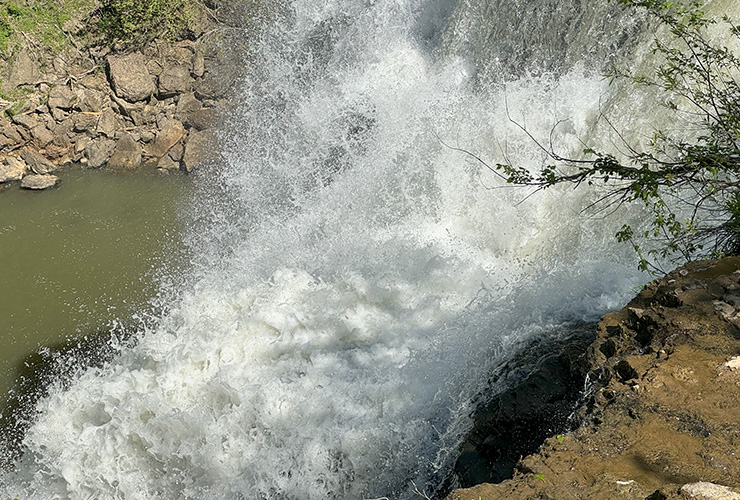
[663,417]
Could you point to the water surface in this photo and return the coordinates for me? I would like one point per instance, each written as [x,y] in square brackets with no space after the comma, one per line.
[81,255]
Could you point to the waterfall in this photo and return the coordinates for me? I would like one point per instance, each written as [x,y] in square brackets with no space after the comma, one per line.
[355,276]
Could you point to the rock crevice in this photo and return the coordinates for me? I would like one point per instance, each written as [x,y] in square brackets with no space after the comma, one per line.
[662,420]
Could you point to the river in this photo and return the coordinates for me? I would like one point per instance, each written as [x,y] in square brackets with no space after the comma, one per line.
[353,277]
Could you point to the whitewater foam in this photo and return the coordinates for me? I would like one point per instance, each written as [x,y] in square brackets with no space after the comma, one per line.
[342,318]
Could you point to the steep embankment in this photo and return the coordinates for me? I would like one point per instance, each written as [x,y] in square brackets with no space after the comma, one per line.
[75,87]
[664,413]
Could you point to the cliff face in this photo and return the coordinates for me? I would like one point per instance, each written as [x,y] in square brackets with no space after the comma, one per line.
[664,413]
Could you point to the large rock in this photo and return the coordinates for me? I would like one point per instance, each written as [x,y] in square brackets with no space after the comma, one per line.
[187,103]
[85,121]
[28,120]
[170,134]
[62,97]
[129,77]
[174,80]
[202,119]
[199,149]
[36,162]
[12,169]
[663,404]
[107,123]
[126,155]
[39,181]
[90,99]
[708,491]
[98,151]
[42,136]
[24,70]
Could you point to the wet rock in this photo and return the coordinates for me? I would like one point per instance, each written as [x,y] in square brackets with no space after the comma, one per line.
[126,155]
[199,150]
[172,131]
[62,97]
[98,151]
[174,80]
[708,491]
[202,119]
[36,162]
[167,163]
[39,182]
[24,70]
[667,415]
[188,102]
[12,169]
[129,77]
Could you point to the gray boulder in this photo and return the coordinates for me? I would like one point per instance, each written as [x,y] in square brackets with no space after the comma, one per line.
[199,150]
[12,169]
[24,70]
[107,123]
[126,155]
[36,162]
[174,80]
[39,181]
[98,151]
[62,97]
[129,77]
[169,135]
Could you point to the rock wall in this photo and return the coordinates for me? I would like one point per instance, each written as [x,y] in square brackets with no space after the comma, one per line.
[662,419]
[152,108]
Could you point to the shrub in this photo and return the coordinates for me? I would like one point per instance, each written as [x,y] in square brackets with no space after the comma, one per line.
[137,22]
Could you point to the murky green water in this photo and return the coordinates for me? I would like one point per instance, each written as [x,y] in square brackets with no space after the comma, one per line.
[76,257]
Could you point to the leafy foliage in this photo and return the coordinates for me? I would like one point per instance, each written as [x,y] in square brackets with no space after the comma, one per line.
[691,188]
[137,22]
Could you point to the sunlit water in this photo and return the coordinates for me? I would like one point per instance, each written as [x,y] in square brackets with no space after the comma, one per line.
[355,276]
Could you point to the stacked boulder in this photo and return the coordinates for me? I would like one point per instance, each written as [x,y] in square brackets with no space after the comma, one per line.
[154,108]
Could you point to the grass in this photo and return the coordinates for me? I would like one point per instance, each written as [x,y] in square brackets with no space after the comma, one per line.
[38,22]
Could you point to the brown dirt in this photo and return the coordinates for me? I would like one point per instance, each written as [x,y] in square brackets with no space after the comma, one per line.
[665,407]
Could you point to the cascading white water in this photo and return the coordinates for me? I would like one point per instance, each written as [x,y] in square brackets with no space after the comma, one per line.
[357,281]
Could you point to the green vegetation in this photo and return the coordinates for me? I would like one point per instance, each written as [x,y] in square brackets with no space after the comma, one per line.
[690,187]
[137,22]
[38,22]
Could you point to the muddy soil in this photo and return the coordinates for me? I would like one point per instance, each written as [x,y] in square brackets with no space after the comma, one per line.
[663,417]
